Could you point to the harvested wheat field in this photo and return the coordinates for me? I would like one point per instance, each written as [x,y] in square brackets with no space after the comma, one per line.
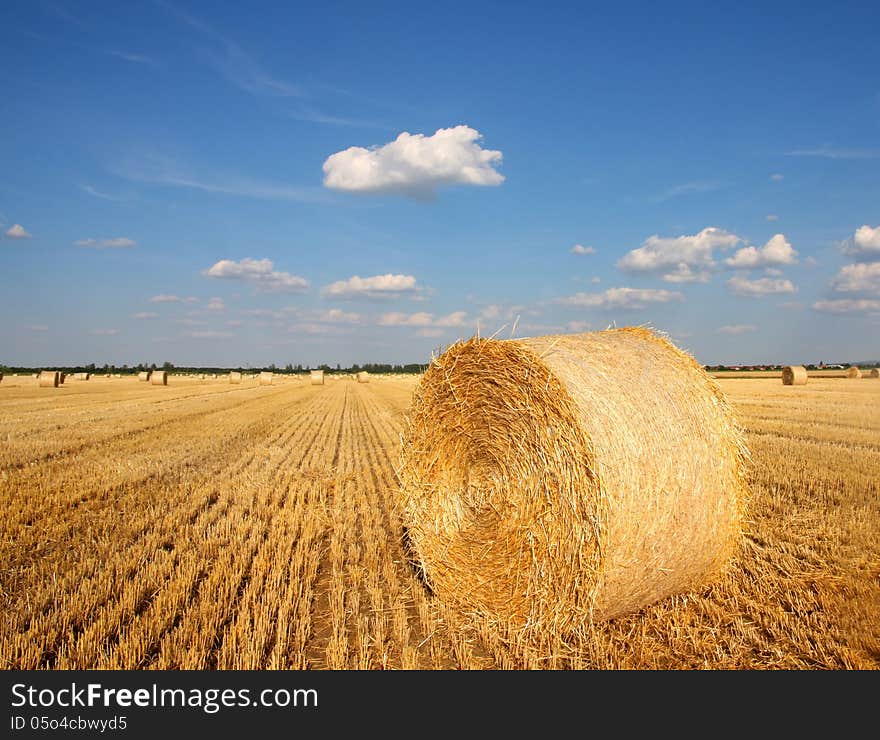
[216,526]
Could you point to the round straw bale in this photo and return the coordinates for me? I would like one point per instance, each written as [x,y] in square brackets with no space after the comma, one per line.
[874,373]
[551,481]
[144,376]
[363,377]
[235,378]
[159,377]
[853,372]
[794,375]
[317,377]
[265,378]
[49,379]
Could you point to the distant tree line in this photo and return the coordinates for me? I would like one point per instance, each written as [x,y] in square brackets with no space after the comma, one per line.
[288,369]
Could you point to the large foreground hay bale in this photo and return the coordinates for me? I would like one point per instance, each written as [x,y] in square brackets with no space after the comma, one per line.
[853,372]
[235,378]
[875,373]
[265,378]
[551,481]
[363,377]
[49,379]
[794,375]
[159,377]
[317,377]
[143,376]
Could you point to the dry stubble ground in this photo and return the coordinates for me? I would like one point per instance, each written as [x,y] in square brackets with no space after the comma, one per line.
[211,526]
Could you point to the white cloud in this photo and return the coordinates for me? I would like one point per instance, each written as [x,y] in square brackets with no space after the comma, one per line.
[777,177]
[259,273]
[625,298]
[777,251]
[772,217]
[430,333]
[865,243]
[681,259]
[811,262]
[415,164]
[120,242]
[595,280]
[848,306]
[216,304]
[143,315]
[17,231]
[773,272]
[208,334]
[423,319]
[338,316]
[862,277]
[105,332]
[165,298]
[376,287]
[762,286]
[581,249]
[737,329]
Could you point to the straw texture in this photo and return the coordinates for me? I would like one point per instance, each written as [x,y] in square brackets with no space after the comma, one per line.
[143,376]
[159,377]
[853,372]
[552,481]
[875,373]
[794,375]
[363,377]
[265,378]
[49,379]
[317,377]
[235,378]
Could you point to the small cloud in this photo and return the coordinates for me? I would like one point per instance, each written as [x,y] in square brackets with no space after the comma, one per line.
[777,251]
[134,58]
[17,231]
[120,242]
[190,322]
[810,262]
[423,319]
[772,217]
[105,332]
[773,272]
[415,165]
[144,315]
[208,334]
[862,277]
[165,298]
[338,316]
[216,304]
[777,177]
[680,259]
[846,305]
[259,273]
[581,249]
[833,153]
[94,192]
[687,188]
[865,243]
[377,287]
[623,298]
[761,287]
[595,280]
[737,329]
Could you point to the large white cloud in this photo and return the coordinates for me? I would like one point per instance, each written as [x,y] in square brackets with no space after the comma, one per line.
[762,286]
[862,277]
[680,259]
[17,231]
[626,298]
[375,287]
[847,305]
[121,242]
[259,273]
[865,243]
[777,251]
[415,164]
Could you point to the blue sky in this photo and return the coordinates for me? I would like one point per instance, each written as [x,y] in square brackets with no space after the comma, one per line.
[213,184]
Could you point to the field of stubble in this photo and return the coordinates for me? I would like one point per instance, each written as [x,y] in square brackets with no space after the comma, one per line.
[212,526]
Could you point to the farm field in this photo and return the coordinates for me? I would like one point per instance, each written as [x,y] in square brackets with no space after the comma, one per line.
[204,525]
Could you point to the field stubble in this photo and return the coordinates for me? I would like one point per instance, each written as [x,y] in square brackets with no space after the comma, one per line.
[214,526]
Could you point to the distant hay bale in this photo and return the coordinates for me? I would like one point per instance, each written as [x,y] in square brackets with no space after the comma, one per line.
[874,373]
[317,377]
[551,481]
[49,379]
[61,378]
[144,376]
[265,378]
[81,376]
[853,372]
[363,377]
[159,377]
[235,378]
[794,375]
